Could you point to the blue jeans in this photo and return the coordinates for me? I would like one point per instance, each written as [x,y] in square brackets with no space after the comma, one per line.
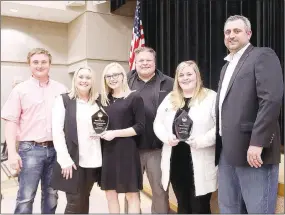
[37,163]
[246,189]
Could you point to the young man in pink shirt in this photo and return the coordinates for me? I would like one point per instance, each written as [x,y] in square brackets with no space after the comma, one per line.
[27,113]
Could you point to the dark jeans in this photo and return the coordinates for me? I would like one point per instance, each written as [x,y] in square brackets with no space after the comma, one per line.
[182,180]
[247,189]
[78,203]
[37,165]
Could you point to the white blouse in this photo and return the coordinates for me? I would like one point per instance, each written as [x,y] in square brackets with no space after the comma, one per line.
[203,130]
[90,155]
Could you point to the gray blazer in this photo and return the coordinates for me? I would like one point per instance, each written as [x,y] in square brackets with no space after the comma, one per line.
[251,108]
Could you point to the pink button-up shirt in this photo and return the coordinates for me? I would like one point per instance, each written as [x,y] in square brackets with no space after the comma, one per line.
[30,106]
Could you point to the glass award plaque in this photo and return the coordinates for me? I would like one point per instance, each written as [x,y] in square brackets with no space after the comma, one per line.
[100,121]
[183,124]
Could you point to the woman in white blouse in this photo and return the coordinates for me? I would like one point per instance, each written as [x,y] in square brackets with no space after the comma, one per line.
[189,165]
[79,156]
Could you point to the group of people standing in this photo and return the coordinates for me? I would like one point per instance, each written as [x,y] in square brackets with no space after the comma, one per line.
[235,136]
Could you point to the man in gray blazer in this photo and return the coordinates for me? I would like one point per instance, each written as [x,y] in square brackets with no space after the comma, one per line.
[248,105]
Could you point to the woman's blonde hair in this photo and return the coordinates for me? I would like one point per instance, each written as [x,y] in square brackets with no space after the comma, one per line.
[105,89]
[176,96]
[93,94]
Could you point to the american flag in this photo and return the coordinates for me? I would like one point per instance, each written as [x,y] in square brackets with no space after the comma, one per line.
[138,35]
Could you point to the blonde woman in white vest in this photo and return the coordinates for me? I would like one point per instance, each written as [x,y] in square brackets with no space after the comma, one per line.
[189,165]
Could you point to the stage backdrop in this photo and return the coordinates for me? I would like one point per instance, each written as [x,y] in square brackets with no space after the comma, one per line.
[193,30]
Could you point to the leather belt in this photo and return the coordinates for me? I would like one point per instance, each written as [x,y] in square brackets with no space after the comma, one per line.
[43,144]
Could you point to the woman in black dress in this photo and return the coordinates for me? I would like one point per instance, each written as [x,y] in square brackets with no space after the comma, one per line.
[121,170]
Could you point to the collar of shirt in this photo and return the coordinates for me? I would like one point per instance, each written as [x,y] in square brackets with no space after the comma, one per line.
[38,83]
[81,101]
[150,80]
[231,57]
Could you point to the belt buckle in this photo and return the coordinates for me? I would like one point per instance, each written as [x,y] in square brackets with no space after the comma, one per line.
[45,144]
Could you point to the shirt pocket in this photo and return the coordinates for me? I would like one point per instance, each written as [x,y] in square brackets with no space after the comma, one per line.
[30,101]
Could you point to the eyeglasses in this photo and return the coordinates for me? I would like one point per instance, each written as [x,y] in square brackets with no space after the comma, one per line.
[114,76]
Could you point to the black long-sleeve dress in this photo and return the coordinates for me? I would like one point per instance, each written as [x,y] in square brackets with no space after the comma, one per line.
[121,168]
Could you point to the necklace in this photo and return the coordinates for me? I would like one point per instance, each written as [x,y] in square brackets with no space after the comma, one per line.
[114,99]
